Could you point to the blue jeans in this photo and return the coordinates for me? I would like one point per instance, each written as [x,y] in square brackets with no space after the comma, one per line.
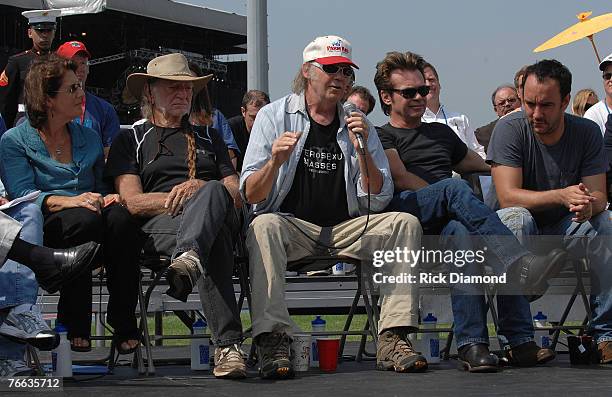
[596,245]
[17,282]
[450,208]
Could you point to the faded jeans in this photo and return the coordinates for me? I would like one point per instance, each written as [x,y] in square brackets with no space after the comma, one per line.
[595,244]
[17,283]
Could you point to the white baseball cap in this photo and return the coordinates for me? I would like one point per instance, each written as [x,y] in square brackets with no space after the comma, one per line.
[42,19]
[605,62]
[329,50]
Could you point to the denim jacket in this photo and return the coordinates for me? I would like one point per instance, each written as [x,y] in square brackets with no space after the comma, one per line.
[289,114]
[26,166]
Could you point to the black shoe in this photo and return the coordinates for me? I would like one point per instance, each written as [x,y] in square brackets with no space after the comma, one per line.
[273,351]
[69,264]
[529,354]
[533,271]
[477,358]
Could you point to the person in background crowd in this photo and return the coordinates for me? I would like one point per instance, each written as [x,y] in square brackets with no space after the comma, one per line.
[41,29]
[362,98]
[505,99]
[64,160]
[220,124]
[583,100]
[177,179]
[436,112]
[241,125]
[96,113]
[601,110]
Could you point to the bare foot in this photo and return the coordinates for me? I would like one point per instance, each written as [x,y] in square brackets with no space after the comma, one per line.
[130,344]
[79,342]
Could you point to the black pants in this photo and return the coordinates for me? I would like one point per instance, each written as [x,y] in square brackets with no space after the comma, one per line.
[208,225]
[122,240]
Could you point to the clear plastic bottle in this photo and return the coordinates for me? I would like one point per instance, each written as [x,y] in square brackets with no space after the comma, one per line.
[318,325]
[431,340]
[61,356]
[200,348]
[540,320]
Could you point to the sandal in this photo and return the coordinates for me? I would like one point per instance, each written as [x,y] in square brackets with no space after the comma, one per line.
[81,349]
[119,340]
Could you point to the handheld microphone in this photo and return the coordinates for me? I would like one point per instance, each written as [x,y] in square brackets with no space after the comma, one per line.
[350,107]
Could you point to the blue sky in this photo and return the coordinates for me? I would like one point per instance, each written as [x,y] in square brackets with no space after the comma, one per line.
[475,45]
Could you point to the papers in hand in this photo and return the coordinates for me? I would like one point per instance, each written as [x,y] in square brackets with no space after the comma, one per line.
[28,197]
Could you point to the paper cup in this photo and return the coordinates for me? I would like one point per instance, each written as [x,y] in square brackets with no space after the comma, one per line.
[328,354]
[301,352]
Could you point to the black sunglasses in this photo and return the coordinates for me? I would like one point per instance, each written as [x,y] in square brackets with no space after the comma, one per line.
[410,93]
[607,76]
[333,69]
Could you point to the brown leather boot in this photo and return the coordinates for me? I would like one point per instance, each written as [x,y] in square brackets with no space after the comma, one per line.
[529,354]
[605,352]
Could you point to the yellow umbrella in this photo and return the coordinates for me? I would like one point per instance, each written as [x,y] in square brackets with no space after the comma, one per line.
[585,28]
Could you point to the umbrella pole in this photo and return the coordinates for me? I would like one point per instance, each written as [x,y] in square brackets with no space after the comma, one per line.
[590,37]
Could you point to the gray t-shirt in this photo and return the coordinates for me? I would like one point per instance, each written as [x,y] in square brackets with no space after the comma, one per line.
[578,153]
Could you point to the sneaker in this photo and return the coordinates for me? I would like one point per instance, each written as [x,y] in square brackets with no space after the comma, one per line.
[24,323]
[183,274]
[273,352]
[395,353]
[529,354]
[10,368]
[229,362]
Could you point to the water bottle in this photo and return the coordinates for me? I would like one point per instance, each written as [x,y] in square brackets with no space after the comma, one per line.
[318,325]
[431,340]
[200,349]
[540,320]
[338,269]
[61,356]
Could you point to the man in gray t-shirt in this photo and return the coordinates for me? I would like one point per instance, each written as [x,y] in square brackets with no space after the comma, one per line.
[549,172]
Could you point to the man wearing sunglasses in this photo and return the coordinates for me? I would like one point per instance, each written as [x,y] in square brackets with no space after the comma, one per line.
[311,184]
[601,110]
[41,29]
[422,157]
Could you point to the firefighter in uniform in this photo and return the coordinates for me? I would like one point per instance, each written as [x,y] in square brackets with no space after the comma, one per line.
[41,29]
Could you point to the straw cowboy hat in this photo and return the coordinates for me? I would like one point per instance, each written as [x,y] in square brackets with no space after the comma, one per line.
[166,67]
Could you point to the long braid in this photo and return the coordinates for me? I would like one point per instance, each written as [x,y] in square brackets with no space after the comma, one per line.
[191,147]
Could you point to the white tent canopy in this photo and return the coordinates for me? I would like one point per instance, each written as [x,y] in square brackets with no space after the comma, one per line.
[166,10]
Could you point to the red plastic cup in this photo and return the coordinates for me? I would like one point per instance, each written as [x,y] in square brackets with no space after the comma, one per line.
[328,354]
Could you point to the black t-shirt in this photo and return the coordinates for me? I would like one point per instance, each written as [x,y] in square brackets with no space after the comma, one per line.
[241,136]
[429,151]
[159,156]
[318,192]
[578,153]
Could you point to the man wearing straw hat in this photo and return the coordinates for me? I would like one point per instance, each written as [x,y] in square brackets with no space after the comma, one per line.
[178,179]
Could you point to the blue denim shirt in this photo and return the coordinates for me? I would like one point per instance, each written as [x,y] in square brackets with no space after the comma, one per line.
[26,166]
[289,114]
[220,124]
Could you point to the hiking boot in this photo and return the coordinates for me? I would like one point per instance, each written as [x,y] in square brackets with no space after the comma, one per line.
[273,351]
[10,368]
[529,354]
[395,353]
[605,352]
[477,358]
[24,323]
[182,274]
[229,362]
[533,271]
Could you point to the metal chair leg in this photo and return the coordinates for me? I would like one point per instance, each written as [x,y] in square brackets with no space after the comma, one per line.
[145,328]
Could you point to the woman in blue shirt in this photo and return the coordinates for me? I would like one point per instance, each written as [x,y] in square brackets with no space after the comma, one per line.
[65,161]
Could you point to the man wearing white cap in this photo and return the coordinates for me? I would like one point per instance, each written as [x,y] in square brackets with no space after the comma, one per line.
[601,110]
[41,29]
[314,176]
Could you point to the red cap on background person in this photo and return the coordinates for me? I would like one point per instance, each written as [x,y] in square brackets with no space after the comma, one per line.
[71,48]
